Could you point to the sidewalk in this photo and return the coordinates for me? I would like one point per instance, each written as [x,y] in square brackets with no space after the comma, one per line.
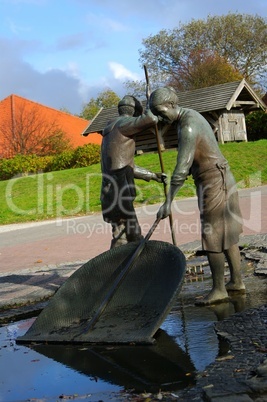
[39,244]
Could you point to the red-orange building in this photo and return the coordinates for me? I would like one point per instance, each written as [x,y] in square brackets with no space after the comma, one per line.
[11,109]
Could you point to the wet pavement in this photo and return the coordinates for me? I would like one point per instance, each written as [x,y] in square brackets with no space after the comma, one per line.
[239,375]
[189,361]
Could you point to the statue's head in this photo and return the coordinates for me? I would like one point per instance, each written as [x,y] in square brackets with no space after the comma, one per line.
[163,96]
[130,105]
[163,103]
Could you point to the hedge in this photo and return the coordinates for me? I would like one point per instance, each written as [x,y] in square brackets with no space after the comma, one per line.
[21,165]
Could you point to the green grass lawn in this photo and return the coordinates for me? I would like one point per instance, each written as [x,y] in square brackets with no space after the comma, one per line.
[76,192]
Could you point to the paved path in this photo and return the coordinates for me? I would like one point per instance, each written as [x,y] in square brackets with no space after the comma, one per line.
[34,245]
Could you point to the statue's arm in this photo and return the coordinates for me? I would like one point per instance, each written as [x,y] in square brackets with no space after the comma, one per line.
[147,175]
[185,158]
[130,126]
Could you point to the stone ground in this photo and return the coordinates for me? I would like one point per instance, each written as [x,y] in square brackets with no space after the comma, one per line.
[239,376]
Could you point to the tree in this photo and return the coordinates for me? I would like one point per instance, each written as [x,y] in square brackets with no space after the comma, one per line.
[239,39]
[105,99]
[29,131]
[138,88]
[65,110]
[90,109]
[203,69]
[256,123]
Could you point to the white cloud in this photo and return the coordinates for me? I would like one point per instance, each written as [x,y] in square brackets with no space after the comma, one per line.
[107,24]
[73,69]
[114,25]
[121,73]
[16,29]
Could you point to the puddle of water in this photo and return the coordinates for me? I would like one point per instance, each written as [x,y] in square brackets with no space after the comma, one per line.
[185,345]
[48,371]
[27,374]
[193,330]
[192,327]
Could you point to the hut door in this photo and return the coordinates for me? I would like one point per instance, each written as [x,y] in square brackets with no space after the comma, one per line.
[234,126]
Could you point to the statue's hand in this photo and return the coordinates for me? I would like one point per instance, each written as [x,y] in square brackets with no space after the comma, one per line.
[164,211]
[153,116]
[164,178]
[161,178]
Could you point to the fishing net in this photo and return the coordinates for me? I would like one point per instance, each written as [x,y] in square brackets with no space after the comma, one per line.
[136,308]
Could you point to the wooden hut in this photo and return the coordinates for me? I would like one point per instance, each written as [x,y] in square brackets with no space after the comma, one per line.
[224,106]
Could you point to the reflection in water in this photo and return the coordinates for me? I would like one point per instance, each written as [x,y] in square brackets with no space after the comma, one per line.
[193,330]
[192,327]
[186,344]
[163,365]
[28,375]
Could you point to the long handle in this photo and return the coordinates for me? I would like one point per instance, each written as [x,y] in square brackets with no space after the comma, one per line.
[129,261]
[165,185]
[160,157]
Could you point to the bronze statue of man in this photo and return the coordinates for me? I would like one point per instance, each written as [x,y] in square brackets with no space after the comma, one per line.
[221,221]
[118,190]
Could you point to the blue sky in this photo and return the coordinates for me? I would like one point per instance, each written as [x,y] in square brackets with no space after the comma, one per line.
[61,53]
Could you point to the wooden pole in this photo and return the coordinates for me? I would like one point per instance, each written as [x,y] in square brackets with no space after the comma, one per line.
[160,158]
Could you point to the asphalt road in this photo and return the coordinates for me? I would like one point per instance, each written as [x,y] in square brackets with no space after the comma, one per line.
[80,239]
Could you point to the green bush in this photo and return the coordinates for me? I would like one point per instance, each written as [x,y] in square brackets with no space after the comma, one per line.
[61,161]
[256,123]
[86,155]
[23,165]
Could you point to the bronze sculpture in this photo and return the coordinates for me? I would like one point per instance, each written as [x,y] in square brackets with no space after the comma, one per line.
[221,221]
[118,169]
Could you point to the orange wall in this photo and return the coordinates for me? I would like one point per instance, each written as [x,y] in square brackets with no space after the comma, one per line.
[73,126]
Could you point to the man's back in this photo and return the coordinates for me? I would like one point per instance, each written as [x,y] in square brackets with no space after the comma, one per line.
[118,144]
[117,149]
